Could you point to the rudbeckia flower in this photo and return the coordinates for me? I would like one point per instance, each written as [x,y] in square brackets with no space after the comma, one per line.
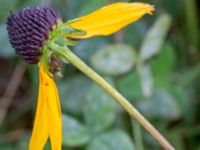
[40,37]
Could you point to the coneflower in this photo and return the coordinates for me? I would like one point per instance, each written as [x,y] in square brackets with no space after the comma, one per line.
[40,37]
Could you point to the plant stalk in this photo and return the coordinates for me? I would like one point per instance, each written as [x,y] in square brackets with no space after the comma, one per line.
[77,62]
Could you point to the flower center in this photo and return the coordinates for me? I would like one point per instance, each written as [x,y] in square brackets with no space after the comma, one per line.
[29,28]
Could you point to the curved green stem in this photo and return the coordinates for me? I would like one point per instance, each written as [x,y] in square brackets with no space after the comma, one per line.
[77,62]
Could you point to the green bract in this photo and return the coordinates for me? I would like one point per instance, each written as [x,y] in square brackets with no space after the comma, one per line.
[56,45]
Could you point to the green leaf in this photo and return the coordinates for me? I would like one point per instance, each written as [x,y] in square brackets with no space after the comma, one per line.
[74,133]
[114,59]
[146,79]
[164,62]
[155,37]
[112,140]
[134,33]
[88,47]
[73,92]
[6,50]
[179,93]
[130,86]
[162,105]
[99,110]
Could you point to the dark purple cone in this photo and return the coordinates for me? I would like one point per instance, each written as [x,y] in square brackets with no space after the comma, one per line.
[28,29]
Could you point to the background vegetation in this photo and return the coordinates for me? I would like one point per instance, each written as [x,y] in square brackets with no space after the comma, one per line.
[155,63]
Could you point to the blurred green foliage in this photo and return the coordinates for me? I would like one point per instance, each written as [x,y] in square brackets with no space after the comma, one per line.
[155,63]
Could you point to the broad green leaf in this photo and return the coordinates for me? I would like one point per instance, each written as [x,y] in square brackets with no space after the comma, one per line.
[73,92]
[164,62]
[74,133]
[134,33]
[5,48]
[99,110]
[162,105]
[114,59]
[146,78]
[130,86]
[155,37]
[112,140]
[179,93]
[88,47]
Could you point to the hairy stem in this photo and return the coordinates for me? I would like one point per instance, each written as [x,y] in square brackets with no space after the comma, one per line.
[78,63]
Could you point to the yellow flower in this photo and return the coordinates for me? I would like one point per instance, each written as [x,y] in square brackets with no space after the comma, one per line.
[104,21]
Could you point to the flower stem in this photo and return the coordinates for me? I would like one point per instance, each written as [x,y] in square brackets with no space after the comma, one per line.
[77,62]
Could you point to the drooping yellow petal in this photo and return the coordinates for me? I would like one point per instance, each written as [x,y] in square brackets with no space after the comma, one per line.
[40,129]
[111,18]
[48,115]
[54,116]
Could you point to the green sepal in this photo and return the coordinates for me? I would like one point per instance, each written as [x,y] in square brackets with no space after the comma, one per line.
[57,41]
[69,31]
[45,58]
[71,21]
[60,41]
[64,42]
[70,42]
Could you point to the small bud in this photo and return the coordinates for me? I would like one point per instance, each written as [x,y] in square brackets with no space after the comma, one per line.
[29,28]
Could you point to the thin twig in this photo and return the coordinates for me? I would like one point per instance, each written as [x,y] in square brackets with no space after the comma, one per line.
[11,90]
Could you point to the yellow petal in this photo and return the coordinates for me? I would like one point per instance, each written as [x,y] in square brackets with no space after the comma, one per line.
[40,129]
[54,115]
[48,115]
[111,18]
